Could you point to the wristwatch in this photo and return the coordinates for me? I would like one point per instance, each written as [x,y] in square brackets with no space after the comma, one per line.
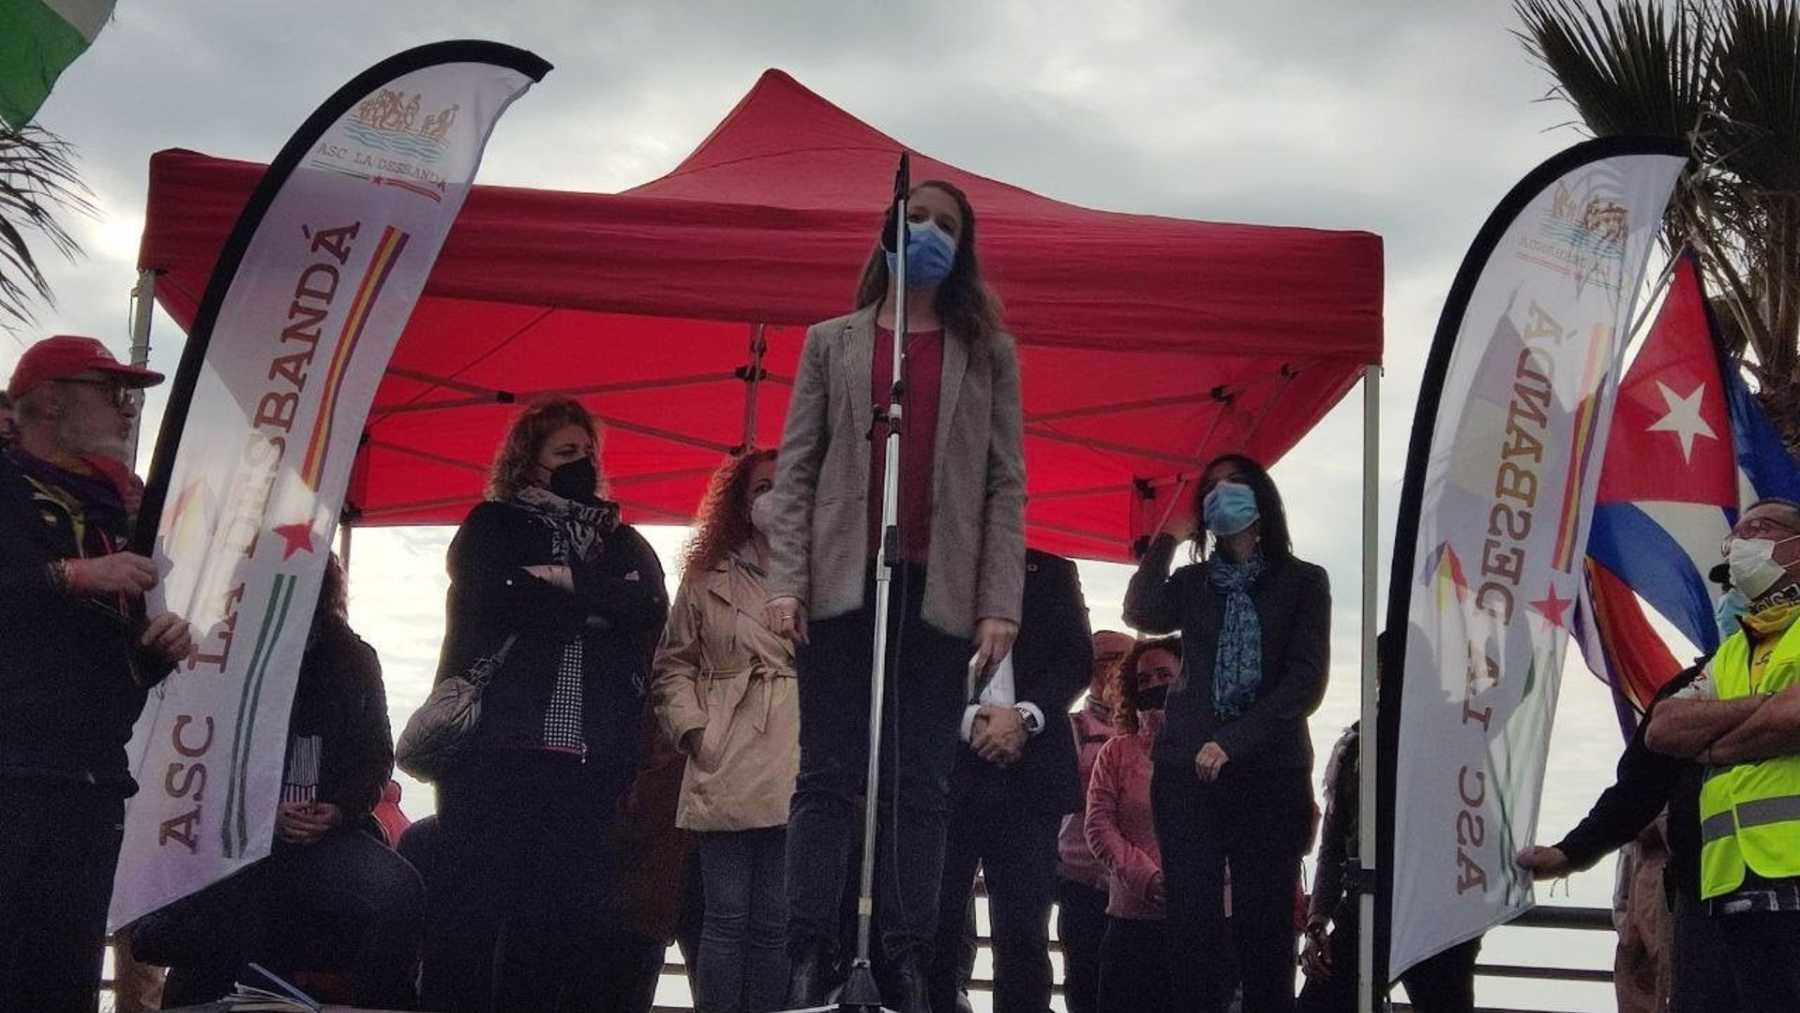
[1033,724]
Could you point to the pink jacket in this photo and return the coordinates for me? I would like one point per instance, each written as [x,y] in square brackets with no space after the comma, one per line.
[1119,826]
[1092,726]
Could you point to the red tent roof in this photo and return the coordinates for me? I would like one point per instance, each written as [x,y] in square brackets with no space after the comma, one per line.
[1148,344]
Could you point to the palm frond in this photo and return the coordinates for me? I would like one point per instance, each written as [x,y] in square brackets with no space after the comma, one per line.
[39,186]
[1626,69]
[1754,81]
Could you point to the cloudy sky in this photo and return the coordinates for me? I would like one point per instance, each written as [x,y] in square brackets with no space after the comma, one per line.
[1408,120]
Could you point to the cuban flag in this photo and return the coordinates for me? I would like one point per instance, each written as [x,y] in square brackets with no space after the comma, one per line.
[1689,448]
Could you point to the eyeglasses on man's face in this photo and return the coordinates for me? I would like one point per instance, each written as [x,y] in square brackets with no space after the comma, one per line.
[1772,528]
[117,394]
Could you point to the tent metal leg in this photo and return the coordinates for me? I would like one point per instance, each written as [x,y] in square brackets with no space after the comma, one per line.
[143,308]
[1366,989]
[344,545]
[753,384]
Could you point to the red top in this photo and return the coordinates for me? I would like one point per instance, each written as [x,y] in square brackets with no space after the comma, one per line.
[918,437]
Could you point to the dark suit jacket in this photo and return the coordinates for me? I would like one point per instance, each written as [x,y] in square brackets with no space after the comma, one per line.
[1647,782]
[1293,602]
[1052,662]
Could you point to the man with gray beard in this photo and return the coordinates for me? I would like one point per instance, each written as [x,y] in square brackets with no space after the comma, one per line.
[77,657]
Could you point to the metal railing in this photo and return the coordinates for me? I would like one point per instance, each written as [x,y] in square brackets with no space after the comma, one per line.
[1592,919]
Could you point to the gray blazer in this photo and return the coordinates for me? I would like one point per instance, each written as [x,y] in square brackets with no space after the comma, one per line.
[819,538]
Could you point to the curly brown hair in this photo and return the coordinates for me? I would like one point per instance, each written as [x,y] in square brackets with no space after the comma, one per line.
[515,461]
[1123,690]
[722,522]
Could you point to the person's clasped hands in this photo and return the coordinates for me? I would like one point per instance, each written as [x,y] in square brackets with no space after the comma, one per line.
[306,822]
[999,734]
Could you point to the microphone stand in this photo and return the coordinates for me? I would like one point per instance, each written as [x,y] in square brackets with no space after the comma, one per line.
[860,993]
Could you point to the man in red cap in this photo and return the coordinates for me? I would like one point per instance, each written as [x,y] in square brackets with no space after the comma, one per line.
[77,657]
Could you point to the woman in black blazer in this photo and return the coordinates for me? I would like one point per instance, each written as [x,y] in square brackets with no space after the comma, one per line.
[564,605]
[1234,760]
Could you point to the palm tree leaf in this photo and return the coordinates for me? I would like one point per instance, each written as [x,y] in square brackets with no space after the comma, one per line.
[1755,80]
[39,185]
[1627,69]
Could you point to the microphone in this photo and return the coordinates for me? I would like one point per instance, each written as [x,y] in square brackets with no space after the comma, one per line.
[902,186]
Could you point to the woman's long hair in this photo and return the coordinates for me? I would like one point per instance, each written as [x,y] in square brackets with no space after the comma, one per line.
[1124,687]
[723,521]
[1276,542]
[516,460]
[964,304]
[333,611]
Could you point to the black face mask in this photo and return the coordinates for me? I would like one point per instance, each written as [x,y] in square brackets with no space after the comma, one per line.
[577,480]
[1153,699]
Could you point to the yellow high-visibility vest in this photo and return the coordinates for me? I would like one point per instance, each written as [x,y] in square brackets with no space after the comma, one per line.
[1750,813]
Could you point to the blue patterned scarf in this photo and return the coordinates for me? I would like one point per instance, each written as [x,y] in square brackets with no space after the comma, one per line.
[1238,671]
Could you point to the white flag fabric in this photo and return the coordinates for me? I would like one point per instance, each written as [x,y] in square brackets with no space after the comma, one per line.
[1500,483]
[305,305]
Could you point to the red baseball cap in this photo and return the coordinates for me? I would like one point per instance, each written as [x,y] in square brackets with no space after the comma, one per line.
[68,355]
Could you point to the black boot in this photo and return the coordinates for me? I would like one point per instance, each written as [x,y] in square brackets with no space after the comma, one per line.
[810,981]
[911,989]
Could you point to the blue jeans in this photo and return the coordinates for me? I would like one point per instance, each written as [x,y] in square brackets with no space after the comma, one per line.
[923,709]
[743,941]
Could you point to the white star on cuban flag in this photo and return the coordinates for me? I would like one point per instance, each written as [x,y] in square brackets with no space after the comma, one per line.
[1668,488]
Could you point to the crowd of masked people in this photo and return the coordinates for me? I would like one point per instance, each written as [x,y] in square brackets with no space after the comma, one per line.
[644,769]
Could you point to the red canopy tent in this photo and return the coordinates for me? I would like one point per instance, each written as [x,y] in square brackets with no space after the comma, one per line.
[1148,344]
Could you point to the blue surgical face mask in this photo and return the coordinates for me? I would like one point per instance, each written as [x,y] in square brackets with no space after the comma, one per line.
[930,254]
[1229,508]
[1730,609]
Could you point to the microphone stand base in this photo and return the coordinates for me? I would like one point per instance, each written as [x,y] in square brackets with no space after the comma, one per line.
[859,994]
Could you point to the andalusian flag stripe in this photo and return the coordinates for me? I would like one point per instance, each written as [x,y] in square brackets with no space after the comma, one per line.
[38,38]
[387,253]
[281,595]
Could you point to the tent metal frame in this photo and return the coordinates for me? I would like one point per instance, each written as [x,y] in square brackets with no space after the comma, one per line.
[143,303]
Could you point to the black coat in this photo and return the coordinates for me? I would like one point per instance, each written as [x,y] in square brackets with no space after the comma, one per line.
[340,698]
[1293,602]
[618,610]
[1053,660]
[1646,782]
[72,679]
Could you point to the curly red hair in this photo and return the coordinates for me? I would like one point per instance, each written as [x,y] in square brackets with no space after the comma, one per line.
[722,522]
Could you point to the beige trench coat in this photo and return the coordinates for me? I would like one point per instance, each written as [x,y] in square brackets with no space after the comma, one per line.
[719,668]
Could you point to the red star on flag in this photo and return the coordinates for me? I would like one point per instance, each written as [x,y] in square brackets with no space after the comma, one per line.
[1553,608]
[295,538]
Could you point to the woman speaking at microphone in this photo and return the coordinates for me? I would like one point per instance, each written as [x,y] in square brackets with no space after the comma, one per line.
[957,586]
[1230,781]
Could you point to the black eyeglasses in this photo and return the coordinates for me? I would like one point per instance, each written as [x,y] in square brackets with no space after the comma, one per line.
[121,396]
